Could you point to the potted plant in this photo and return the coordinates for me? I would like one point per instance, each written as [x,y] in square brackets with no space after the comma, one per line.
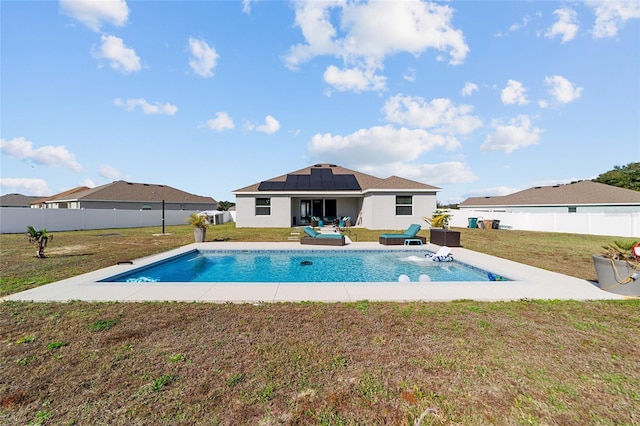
[200,224]
[41,238]
[618,268]
[440,233]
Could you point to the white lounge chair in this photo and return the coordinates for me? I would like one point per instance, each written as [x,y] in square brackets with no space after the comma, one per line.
[442,255]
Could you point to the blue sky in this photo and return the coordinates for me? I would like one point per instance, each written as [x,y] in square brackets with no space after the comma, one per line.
[478,98]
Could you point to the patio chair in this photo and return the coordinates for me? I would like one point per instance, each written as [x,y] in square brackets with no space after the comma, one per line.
[317,238]
[398,239]
[442,255]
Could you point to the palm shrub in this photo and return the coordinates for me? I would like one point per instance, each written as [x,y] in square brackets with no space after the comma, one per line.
[439,219]
[620,250]
[40,237]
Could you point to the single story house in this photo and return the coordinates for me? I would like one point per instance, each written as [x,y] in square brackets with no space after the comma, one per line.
[576,197]
[122,195]
[43,203]
[327,192]
[17,200]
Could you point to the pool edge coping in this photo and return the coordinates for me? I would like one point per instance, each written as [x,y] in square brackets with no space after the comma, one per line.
[528,282]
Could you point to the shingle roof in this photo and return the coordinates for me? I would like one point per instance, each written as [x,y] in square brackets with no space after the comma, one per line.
[577,193]
[61,194]
[366,182]
[130,191]
[17,200]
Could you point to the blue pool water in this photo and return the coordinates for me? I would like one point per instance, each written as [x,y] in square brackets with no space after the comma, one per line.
[262,266]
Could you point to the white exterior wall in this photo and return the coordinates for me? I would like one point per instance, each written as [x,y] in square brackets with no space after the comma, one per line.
[349,207]
[246,217]
[379,211]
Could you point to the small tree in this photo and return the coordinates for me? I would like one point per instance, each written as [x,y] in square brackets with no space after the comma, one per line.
[224,206]
[40,238]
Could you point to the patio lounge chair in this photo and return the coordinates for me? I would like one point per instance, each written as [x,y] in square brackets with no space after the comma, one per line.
[316,238]
[442,255]
[398,239]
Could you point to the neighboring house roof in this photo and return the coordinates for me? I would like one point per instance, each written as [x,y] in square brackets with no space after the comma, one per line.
[130,191]
[331,177]
[60,195]
[576,193]
[17,200]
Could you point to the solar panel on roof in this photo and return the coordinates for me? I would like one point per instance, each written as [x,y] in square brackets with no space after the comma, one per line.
[319,179]
[351,183]
[291,183]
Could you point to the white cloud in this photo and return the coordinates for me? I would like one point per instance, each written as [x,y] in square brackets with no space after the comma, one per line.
[368,32]
[562,90]
[221,122]
[121,58]
[270,126]
[354,79]
[203,57]
[246,6]
[566,26]
[25,186]
[518,25]
[514,93]
[147,108]
[515,27]
[377,146]
[441,114]
[410,74]
[94,13]
[88,183]
[516,134]
[447,173]
[51,156]
[469,88]
[612,15]
[109,172]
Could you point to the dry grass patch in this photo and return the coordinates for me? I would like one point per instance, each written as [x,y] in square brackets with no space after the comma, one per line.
[355,363]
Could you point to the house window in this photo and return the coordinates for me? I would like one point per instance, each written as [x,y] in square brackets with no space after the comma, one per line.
[572,209]
[404,205]
[263,206]
[146,207]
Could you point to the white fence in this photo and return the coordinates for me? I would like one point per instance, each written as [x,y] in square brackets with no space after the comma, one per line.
[16,220]
[613,224]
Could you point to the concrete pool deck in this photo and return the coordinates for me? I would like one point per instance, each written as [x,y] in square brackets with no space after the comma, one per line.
[528,283]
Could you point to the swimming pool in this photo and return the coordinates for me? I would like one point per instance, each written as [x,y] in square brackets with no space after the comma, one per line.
[308,266]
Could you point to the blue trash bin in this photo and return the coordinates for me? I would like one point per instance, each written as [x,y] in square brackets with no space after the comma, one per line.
[320,223]
[473,222]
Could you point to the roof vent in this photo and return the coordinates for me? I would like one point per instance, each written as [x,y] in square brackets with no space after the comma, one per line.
[556,186]
[332,165]
[317,165]
[538,187]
